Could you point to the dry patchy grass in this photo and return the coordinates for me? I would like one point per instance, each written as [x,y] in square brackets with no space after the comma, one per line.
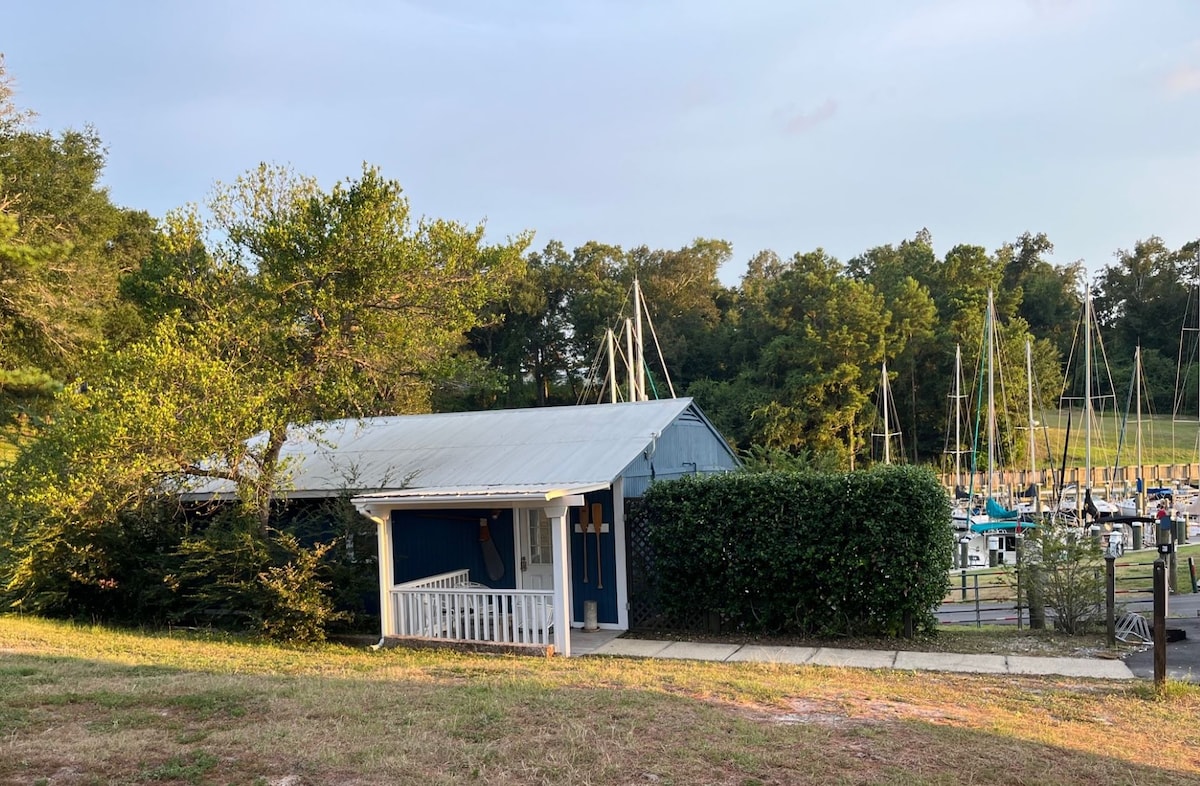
[82,705]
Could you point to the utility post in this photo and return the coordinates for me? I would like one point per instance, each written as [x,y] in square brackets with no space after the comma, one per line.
[1115,546]
[1160,618]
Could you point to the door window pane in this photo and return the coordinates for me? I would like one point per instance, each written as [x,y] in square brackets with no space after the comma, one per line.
[540,543]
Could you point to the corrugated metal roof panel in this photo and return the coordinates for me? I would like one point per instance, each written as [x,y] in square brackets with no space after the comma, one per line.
[556,446]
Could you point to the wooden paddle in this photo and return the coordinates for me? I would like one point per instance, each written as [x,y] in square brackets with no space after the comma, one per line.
[491,557]
[597,518]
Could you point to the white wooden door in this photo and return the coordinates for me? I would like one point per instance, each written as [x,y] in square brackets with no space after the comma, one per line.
[537,551]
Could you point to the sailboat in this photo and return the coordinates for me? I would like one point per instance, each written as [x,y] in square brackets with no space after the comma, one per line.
[1134,502]
[1184,497]
[1031,503]
[955,422]
[1083,501]
[985,524]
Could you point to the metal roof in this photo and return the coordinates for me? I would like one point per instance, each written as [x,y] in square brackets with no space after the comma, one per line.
[541,448]
[466,496]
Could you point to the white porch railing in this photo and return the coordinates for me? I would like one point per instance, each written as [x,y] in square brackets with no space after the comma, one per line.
[449,606]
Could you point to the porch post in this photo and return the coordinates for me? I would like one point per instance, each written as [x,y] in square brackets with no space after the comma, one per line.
[557,514]
[387,577]
[619,552]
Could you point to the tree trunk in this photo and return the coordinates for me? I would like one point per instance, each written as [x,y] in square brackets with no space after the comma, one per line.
[264,484]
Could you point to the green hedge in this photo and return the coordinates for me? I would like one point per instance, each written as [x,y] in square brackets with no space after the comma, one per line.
[860,553]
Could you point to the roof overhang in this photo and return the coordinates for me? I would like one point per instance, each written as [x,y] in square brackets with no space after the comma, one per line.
[478,496]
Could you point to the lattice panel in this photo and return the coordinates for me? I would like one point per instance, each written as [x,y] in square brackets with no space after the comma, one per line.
[645,611]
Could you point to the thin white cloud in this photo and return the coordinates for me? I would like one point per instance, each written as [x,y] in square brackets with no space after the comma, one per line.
[1184,79]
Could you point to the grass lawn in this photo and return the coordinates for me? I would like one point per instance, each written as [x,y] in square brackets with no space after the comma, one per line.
[86,705]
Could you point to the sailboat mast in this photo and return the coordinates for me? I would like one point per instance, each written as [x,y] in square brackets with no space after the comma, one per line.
[1137,376]
[1029,381]
[991,379]
[887,428]
[630,360]
[612,366]
[1087,388]
[957,415]
[641,351]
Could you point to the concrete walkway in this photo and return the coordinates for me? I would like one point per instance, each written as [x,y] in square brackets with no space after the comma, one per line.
[1091,668]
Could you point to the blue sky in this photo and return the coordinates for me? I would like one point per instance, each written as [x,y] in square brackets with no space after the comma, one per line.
[773,125]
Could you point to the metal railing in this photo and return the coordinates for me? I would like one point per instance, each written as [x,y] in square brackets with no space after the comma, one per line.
[976,597]
[994,595]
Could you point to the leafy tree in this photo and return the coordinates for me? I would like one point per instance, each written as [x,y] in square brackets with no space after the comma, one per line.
[911,349]
[1144,300]
[63,245]
[334,304]
[527,336]
[78,506]
[1046,295]
[683,296]
[822,365]
[311,305]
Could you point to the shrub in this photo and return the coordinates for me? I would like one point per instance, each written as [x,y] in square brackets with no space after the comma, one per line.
[828,554]
[1064,570]
[233,575]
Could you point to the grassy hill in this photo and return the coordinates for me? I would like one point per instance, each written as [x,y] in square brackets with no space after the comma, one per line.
[1163,441]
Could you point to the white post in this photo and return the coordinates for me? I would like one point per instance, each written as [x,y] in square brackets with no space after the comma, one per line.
[557,514]
[387,577]
[618,523]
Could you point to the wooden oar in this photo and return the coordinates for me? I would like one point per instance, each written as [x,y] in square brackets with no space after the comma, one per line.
[597,518]
[583,527]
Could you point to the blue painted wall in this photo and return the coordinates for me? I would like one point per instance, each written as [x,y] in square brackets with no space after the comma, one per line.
[425,543]
[602,574]
[687,447]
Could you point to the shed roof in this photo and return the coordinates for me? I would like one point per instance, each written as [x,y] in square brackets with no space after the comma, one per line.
[545,447]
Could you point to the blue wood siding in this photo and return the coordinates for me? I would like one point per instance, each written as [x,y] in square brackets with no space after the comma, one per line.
[687,447]
[426,543]
[606,598]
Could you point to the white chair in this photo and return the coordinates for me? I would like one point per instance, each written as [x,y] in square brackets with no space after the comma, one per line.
[475,614]
[530,622]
